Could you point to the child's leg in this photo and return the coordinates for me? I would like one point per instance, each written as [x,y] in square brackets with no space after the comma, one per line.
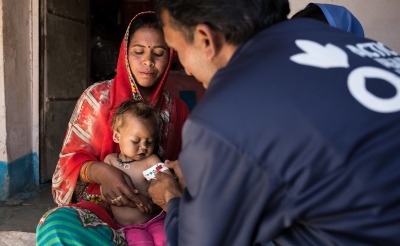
[156,229]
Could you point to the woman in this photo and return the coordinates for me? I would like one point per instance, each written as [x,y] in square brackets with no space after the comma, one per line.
[142,69]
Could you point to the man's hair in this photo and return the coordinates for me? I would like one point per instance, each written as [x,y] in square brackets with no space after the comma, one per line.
[237,20]
[137,109]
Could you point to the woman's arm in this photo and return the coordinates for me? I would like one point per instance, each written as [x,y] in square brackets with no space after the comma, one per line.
[79,143]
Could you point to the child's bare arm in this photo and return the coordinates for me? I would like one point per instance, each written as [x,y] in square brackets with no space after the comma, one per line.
[152,160]
[107,159]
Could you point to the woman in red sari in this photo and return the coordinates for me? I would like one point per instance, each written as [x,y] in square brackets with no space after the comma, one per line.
[82,217]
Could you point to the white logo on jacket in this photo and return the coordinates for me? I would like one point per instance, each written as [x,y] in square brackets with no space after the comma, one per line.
[332,56]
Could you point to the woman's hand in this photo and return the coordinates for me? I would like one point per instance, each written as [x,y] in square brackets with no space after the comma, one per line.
[117,187]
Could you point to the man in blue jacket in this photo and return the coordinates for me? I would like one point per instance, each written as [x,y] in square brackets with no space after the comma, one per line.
[296,141]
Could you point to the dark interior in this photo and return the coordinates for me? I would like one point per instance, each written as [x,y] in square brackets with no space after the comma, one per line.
[108,21]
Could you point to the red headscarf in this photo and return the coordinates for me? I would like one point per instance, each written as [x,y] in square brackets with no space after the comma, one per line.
[89,135]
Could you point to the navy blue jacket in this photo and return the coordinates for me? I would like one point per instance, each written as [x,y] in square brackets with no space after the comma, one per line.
[296,141]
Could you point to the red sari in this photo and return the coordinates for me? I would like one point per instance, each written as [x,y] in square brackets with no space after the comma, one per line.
[89,135]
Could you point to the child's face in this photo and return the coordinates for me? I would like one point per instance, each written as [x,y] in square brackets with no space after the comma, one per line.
[135,138]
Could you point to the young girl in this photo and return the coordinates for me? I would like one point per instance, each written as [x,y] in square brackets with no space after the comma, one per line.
[135,128]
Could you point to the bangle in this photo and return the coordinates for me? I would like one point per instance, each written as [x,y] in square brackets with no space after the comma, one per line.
[84,171]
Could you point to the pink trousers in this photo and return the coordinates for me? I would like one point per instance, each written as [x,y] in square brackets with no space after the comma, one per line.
[150,233]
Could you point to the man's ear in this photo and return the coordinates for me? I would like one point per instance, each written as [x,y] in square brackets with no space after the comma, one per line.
[116,136]
[208,39]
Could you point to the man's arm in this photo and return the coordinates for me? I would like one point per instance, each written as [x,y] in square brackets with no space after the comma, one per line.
[225,197]
[226,192]
[172,221]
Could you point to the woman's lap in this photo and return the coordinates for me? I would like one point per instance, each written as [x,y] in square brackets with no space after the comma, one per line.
[76,226]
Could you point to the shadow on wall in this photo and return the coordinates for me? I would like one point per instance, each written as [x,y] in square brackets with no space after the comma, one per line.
[185,87]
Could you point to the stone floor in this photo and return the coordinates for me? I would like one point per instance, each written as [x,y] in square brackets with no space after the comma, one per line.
[19,216]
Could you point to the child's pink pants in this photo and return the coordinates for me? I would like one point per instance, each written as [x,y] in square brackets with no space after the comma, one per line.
[150,233]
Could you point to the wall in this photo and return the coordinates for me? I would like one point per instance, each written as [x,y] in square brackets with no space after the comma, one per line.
[3,134]
[18,161]
[380,19]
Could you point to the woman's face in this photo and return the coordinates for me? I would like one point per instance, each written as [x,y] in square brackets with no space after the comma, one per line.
[148,56]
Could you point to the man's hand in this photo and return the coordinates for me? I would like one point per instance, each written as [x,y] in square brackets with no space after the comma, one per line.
[164,188]
[174,165]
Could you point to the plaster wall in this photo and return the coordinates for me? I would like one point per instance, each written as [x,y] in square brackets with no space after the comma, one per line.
[18,101]
[17,77]
[34,71]
[3,132]
[380,19]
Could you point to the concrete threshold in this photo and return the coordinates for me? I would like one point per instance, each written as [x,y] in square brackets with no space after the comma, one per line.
[17,238]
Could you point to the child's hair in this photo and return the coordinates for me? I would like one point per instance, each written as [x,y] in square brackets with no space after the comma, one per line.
[138,109]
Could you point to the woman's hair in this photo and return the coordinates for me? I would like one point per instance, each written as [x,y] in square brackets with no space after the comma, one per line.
[237,20]
[148,20]
[137,109]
